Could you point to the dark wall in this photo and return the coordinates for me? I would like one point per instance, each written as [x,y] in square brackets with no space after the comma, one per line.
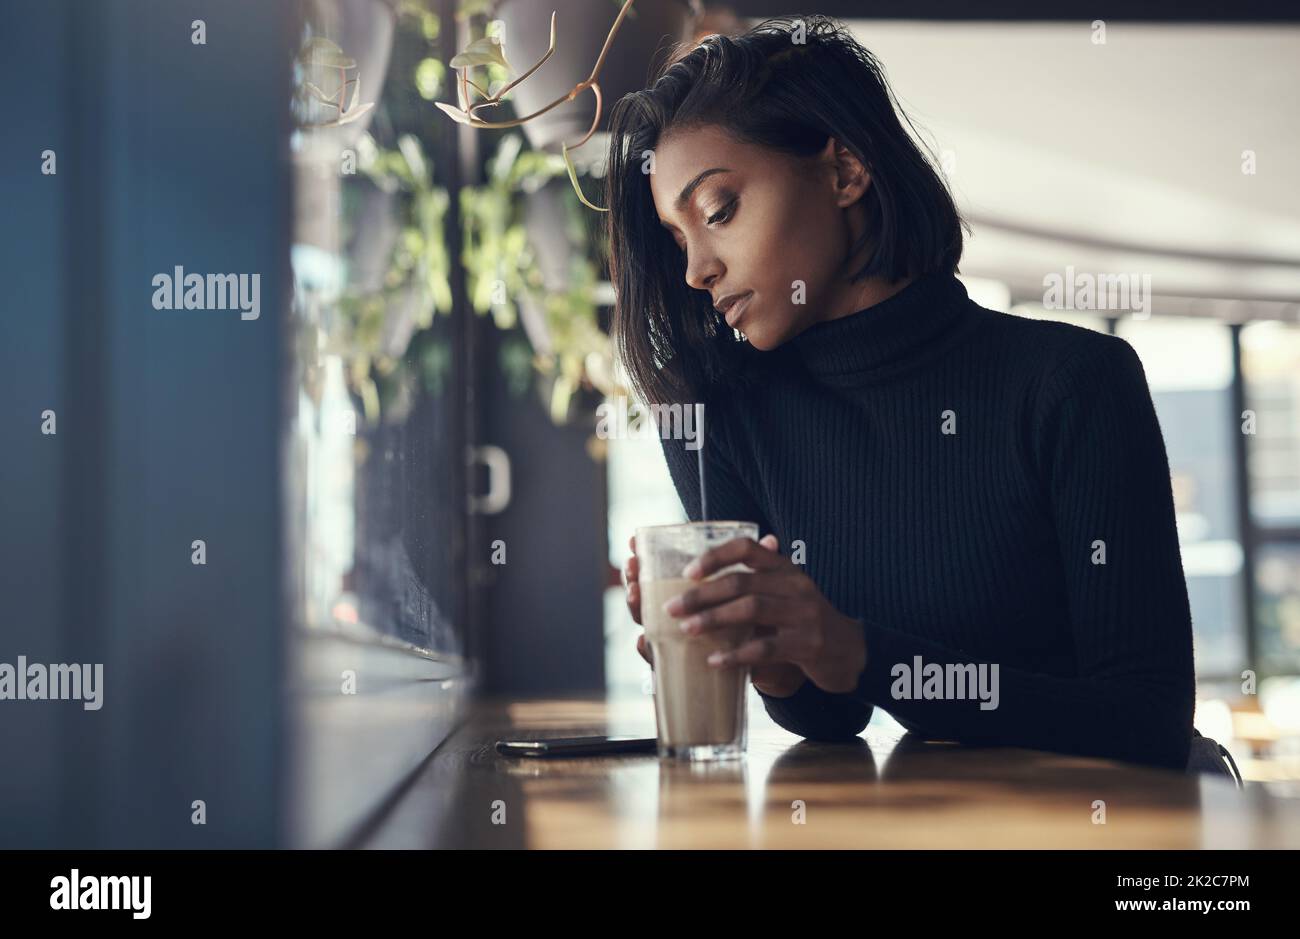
[545,615]
[33,373]
[168,421]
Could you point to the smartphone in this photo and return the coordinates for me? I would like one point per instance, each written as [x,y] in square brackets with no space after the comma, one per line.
[577,746]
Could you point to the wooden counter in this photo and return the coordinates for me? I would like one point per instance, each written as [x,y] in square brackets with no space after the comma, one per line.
[888,789]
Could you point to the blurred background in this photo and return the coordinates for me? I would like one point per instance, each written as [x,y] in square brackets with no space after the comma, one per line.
[395,469]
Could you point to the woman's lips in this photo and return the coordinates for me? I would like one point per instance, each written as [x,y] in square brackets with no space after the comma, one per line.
[737,310]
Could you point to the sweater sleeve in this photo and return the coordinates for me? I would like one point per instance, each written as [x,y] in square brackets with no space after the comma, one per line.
[1103,466]
[810,712]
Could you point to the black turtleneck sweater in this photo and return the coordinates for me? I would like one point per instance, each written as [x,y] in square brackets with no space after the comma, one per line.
[956,477]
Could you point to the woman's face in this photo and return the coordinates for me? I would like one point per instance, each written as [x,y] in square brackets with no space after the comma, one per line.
[763,223]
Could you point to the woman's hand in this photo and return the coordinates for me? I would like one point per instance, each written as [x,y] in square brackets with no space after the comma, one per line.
[796,625]
[779,680]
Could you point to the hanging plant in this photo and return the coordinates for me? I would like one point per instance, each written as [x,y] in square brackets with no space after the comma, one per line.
[505,281]
[490,51]
[384,318]
[319,61]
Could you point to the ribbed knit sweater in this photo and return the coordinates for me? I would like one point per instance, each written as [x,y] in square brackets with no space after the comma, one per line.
[973,488]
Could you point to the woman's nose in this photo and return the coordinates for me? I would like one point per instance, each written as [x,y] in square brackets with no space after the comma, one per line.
[703,276]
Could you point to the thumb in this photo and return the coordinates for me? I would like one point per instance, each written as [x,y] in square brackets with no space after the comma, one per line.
[769,542]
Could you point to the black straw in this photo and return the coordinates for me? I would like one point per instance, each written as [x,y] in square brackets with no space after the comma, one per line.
[699,456]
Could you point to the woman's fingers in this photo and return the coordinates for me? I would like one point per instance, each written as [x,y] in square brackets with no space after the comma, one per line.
[785,645]
[711,593]
[737,551]
[644,648]
[752,609]
[764,600]
[720,589]
[630,574]
[631,570]
[634,601]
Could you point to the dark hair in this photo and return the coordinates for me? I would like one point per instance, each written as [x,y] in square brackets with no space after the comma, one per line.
[764,88]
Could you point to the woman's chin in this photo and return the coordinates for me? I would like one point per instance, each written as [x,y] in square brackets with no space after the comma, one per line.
[758,339]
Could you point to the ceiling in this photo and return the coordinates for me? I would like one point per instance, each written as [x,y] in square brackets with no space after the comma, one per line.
[1123,157]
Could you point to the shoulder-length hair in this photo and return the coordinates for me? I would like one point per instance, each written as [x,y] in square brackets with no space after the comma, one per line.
[764,87]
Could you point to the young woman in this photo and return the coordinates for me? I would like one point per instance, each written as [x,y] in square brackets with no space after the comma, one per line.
[963,494]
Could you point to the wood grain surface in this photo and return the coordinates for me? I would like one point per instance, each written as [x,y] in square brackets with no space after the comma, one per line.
[887,789]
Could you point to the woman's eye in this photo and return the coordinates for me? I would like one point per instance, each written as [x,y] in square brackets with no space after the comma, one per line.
[723,215]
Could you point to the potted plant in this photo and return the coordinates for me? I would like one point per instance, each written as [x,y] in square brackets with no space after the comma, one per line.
[543,94]
[339,71]
[529,255]
[553,279]
[529,265]
[582,27]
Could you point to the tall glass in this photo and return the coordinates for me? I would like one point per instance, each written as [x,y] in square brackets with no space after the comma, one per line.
[699,709]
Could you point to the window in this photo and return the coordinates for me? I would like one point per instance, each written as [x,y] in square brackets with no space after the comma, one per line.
[1188,364]
[376,456]
[1277,606]
[1270,366]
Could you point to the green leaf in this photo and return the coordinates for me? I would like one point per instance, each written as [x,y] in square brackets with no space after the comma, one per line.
[430,25]
[320,51]
[573,178]
[502,163]
[485,51]
[320,95]
[414,157]
[351,115]
[428,78]
[459,116]
[435,367]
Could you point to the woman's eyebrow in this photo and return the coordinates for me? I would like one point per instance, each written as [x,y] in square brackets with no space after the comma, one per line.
[689,189]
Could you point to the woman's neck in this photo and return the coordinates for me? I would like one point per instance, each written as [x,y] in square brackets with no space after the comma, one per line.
[913,322]
[860,296]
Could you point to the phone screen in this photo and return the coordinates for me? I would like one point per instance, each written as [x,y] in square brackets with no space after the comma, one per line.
[576,746]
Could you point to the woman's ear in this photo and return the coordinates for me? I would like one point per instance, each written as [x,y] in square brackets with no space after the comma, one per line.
[851,178]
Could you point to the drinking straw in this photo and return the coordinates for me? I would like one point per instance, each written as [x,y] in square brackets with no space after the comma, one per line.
[699,456]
